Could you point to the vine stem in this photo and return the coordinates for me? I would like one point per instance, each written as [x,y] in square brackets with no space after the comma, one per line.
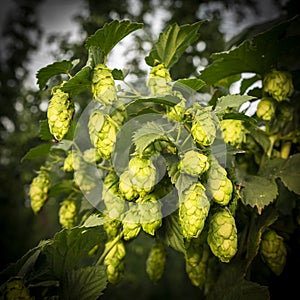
[107,250]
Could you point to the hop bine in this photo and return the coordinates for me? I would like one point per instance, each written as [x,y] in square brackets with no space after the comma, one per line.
[60,113]
[38,191]
[278,84]
[273,251]
[222,235]
[156,261]
[193,210]
[159,80]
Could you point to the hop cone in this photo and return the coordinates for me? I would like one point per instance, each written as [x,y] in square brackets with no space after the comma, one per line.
[60,113]
[266,109]
[103,85]
[234,132]
[194,163]
[112,227]
[114,261]
[111,196]
[203,128]
[177,111]
[273,251]
[15,289]
[131,223]
[159,81]
[38,191]
[85,179]
[196,263]
[126,187]
[150,213]
[103,133]
[219,187]
[156,261]
[68,163]
[68,212]
[278,84]
[193,210]
[91,155]
[222,235]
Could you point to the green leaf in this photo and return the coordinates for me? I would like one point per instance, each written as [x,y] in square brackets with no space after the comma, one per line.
[188,84]
[257,55]
[80,81]
[111,34]
[172,234]
[172,43]
[94,220]
[231,101]
[85,283]
[45,133]
[69,247]
[44,74]
[257,191]
[63,187]
[260,137]
[40,151]
[117,74]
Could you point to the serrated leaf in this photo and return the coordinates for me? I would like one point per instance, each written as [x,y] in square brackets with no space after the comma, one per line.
[40,151]
[80,81]
[231,101]
[69,247]
[172,235]
[260,137]
[257,55]
[45,133]
[94,220]
[111,34]
[85,283]
[172,43]
[188,84]
[44,74]
[257,191]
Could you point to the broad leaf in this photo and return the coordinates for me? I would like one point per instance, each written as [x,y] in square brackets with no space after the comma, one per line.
[117,74]
[189,84]
[45,133]
[231,101]
[172,43]
[94,220]
[65,186]
[111,34]
[257,55]
[85,283]
[44,74]
[40,151]
[260,137]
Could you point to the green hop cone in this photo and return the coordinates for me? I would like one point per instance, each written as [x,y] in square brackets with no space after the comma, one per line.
[91,155]
[273,251]
[112,227]
[278,84]
[177,111]
[193,210]
[113,200]
[103,133]
[103,85]
[68,162]
[60,113]
[219,187]
[126,187]
[114,261]
[266,109]
[38,191]
[156,261]
[234,132]
[150,213]
[142,174]
[85,178]
[193,163]
[68,212]
[131,223]
[15,289]
[222,235]
[159,80]
[203,128]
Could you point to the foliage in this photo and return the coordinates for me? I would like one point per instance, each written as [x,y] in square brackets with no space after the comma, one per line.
[145,189]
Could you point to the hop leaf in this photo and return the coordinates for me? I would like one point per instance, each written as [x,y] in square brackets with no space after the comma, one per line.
[193,163]
[273,251]
[266,108]
[219,187]
[114,261]
[103,85]
[103,133]
[193,210]
[234,132]
[68,212]
[60,113]
[159,80]
[39,189]
[222,235]
[156,261]
[278,84]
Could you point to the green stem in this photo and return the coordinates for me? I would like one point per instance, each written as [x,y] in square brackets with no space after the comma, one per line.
[285,149]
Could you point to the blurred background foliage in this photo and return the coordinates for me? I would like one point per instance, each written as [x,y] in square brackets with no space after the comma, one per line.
[22,106]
